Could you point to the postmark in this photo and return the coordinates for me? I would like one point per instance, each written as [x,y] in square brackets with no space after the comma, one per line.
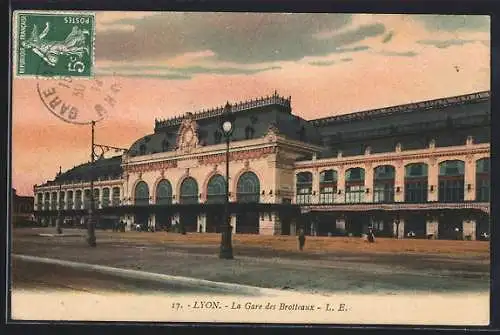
[77,100]
[64,41]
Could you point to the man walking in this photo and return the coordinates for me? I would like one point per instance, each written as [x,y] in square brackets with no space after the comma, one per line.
[302,239]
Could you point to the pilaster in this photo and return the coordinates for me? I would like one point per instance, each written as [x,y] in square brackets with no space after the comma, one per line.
[469,229]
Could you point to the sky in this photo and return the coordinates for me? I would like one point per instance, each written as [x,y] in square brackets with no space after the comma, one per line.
[167,64]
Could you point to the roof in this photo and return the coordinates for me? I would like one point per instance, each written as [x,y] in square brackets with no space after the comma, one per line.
[250,117]
[104,168]
[406,108]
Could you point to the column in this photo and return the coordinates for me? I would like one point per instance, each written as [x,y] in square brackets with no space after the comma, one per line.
[152,221]
[399,181]
[340,198]
[66,199]
[399,229]
[433,181]
[340,225]
[232,222]
[315,186]
[100,197]
[469,229]
[431,228]
[368,183]
[130,222]
[202,223]
[470,179]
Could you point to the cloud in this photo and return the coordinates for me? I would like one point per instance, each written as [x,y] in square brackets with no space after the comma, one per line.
[176,73]
[445,43]
[242,38]
[398,54]
[455,22]
[322,63]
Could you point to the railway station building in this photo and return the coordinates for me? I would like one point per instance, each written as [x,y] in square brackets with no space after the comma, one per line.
[419,170]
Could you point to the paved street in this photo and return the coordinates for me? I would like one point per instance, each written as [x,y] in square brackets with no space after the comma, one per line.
[316,272]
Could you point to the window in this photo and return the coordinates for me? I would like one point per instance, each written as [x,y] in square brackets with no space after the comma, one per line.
[451,181]
[216,189]
[383,187]
[483,180]
[355,185]
[248,188]
[304,188]
[416,185]
[327,186]
[164,192]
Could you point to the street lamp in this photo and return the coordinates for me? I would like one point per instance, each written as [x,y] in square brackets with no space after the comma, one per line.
[226,248]
[91,240]
[58,221]
[90,222]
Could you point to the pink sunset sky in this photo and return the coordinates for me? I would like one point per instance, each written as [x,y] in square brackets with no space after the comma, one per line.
[171,63]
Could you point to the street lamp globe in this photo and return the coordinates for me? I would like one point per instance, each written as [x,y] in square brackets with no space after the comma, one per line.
[227,127]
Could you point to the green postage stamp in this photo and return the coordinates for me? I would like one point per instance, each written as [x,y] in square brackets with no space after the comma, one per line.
[54,44]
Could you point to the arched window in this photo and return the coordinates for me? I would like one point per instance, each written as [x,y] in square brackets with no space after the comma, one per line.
[141,194]
[39,201]
[483,179]
[216,189]
[355,185]
[116,196]
[78,199]
[189,191]
[416,184]
[304,187]
[70,200]
[327,186]
[105,197]
[383,183]
[451,181]
[46,203]
[164,193]
[53,201]
[61,199]
[248,188]
[86,199]
[96,198]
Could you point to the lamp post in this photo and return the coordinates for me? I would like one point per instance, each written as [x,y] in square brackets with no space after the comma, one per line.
[226,248]
[91,219]
[58,220]
[91,240]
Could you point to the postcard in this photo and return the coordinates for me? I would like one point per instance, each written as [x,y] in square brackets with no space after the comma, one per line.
[224,167]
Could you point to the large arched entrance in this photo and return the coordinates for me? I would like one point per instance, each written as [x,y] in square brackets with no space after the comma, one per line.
[189,195]
[163,197]
[216,194]
[141,198]
[248,191]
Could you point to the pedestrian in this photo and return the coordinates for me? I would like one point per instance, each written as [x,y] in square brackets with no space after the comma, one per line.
[371,235]
[302,239]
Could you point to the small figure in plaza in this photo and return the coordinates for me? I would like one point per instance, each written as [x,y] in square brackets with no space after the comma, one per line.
[371,235]
[302,239]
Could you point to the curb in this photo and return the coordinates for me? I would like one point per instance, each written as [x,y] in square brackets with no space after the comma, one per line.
[60,235]
[158,277]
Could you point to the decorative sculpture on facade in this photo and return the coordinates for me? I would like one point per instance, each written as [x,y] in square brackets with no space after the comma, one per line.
[187,138]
